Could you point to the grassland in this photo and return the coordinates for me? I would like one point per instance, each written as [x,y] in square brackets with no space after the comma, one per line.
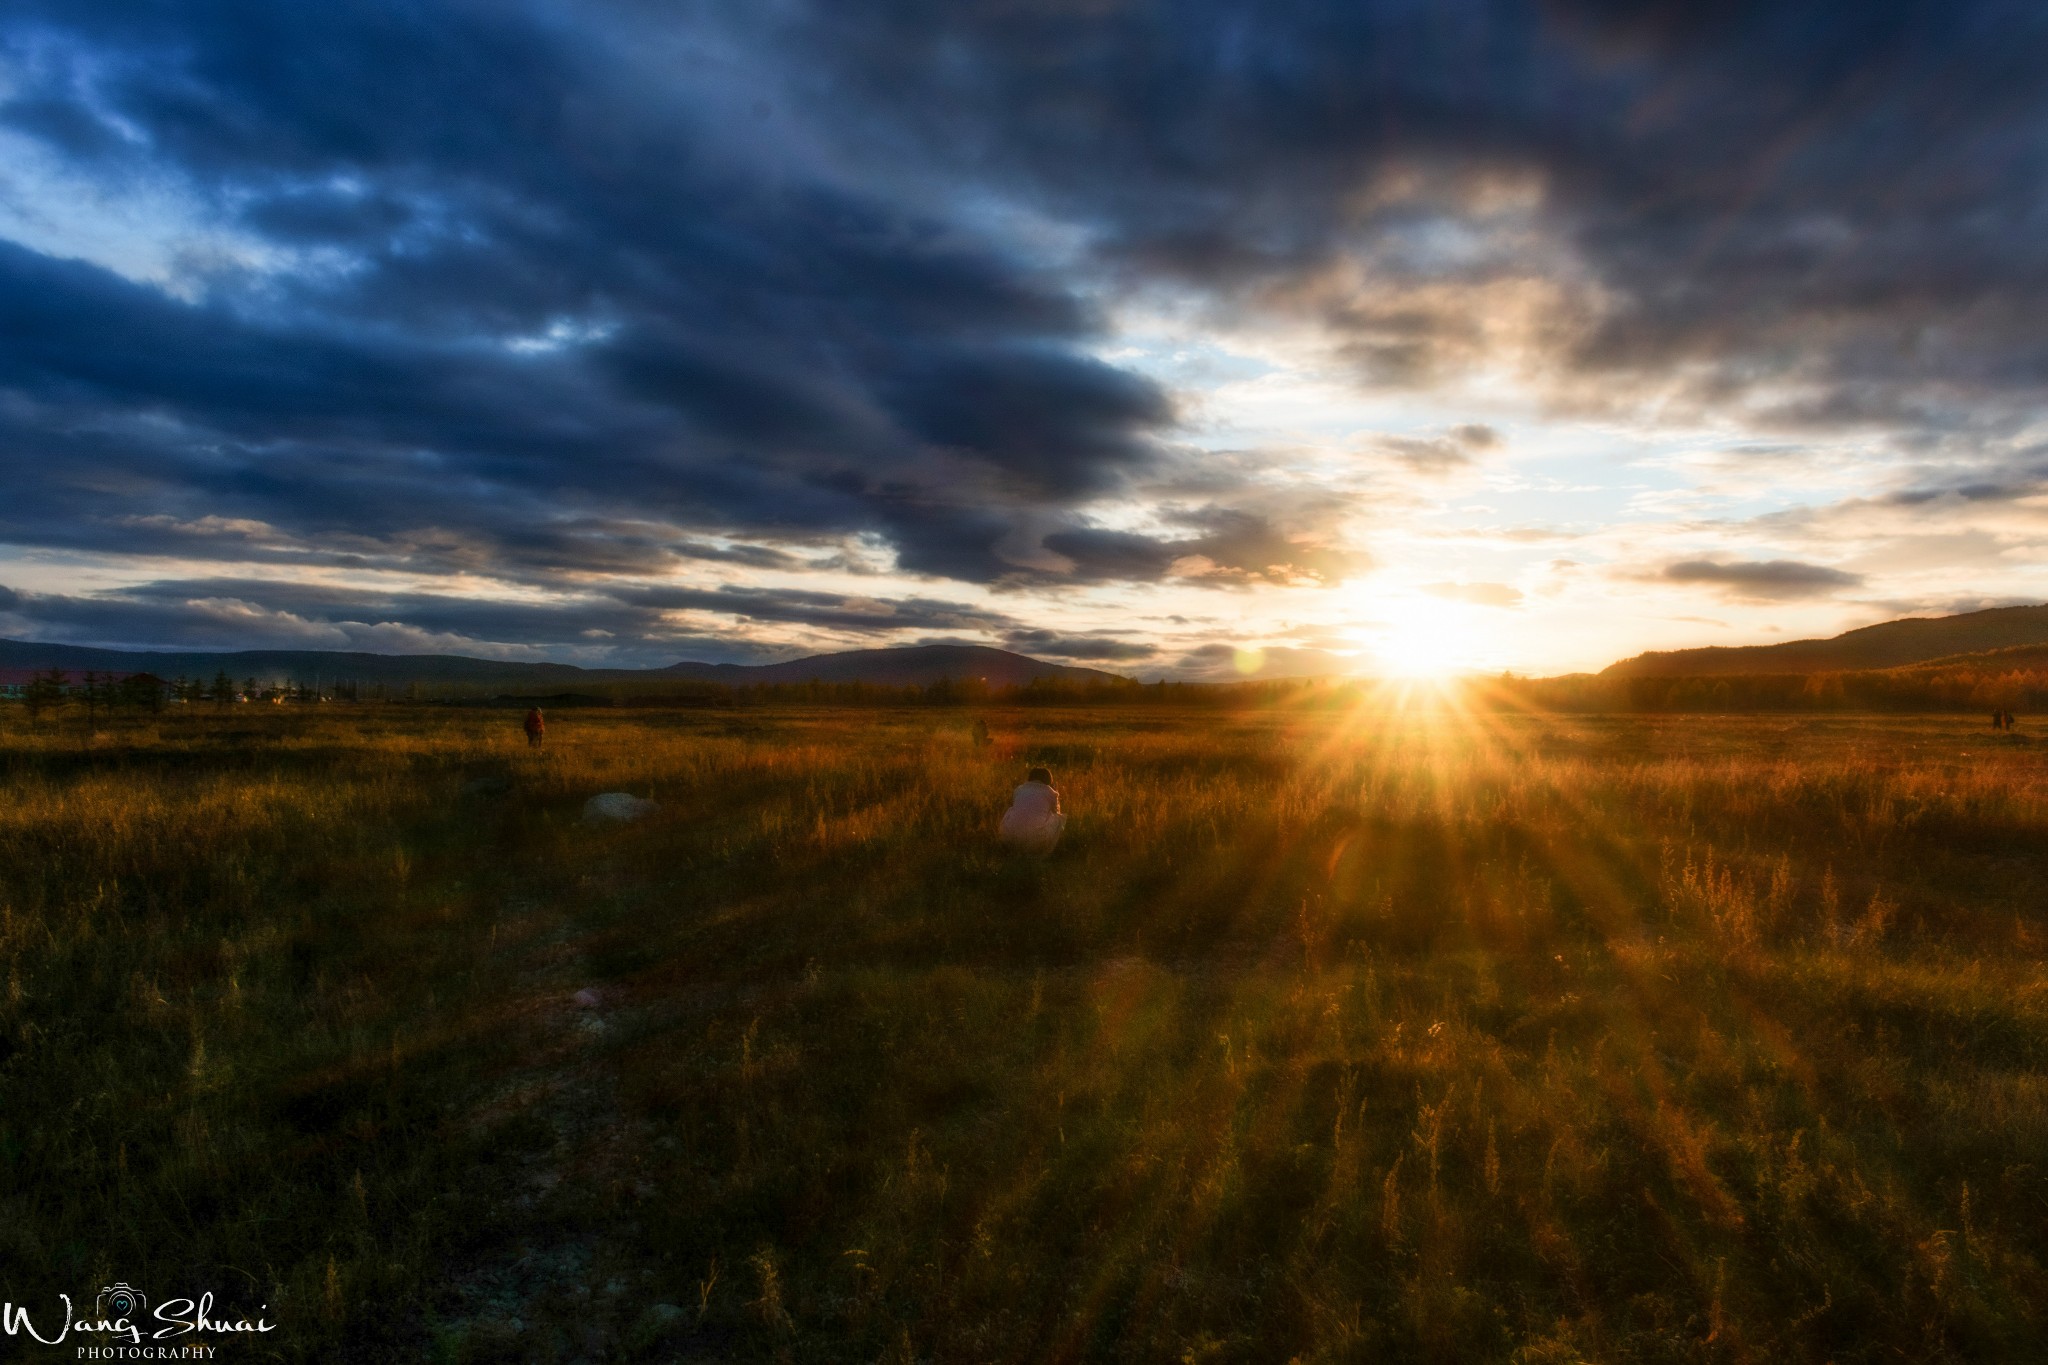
[1400,1035]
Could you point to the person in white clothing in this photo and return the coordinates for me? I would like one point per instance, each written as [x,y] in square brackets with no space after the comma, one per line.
[1034,821]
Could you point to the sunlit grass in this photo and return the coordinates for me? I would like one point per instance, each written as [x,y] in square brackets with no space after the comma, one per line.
[1403,1033]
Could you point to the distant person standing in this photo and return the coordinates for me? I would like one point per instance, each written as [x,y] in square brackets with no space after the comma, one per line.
[536,728]
[1034,820]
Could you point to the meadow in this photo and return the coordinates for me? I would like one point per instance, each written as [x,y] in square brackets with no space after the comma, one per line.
[1383,1034]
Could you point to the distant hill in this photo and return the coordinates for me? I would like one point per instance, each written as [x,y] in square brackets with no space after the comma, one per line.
[1893,644]
[300,665]
[910,666]
[914,665]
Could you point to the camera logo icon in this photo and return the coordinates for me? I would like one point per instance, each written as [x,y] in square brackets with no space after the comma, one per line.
[119,1300]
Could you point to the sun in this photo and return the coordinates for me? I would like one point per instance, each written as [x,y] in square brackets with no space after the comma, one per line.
[1420,638]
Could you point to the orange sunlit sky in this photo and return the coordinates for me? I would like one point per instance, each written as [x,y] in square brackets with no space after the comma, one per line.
[1175,340]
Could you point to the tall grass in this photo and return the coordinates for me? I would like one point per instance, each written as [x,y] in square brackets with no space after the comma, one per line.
[1380,1035]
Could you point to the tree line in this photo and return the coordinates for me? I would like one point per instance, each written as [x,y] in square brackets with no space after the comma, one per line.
[1945,689]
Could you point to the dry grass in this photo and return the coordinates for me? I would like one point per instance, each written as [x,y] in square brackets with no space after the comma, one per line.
[1409,1035]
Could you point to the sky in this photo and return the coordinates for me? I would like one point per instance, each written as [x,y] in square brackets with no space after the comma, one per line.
[1190,339]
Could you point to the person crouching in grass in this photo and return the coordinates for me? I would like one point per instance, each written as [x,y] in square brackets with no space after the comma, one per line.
[1034,821]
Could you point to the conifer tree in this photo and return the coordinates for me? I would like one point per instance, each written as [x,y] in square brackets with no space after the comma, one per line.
[45,692]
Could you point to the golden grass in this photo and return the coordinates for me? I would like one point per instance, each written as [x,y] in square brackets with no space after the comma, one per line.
[1377,1036]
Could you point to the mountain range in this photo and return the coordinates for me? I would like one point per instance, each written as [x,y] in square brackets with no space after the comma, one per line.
[911,665]
[915,665]
[2008,637]
[1891,644]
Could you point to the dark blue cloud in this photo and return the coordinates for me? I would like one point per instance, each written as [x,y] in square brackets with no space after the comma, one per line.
[627,626]
[1093,648]
[548,292]
[1762,580]
[1852,196]
[1227,545]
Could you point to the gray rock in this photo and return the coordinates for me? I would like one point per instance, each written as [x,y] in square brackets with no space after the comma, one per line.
[616,807]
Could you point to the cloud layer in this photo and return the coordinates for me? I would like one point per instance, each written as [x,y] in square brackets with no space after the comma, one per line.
[669,310]
[632,625]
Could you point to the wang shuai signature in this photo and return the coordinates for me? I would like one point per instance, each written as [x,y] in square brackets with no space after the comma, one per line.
[122,1313]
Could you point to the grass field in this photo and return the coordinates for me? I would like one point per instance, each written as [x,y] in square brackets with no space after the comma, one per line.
[1410,1035]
